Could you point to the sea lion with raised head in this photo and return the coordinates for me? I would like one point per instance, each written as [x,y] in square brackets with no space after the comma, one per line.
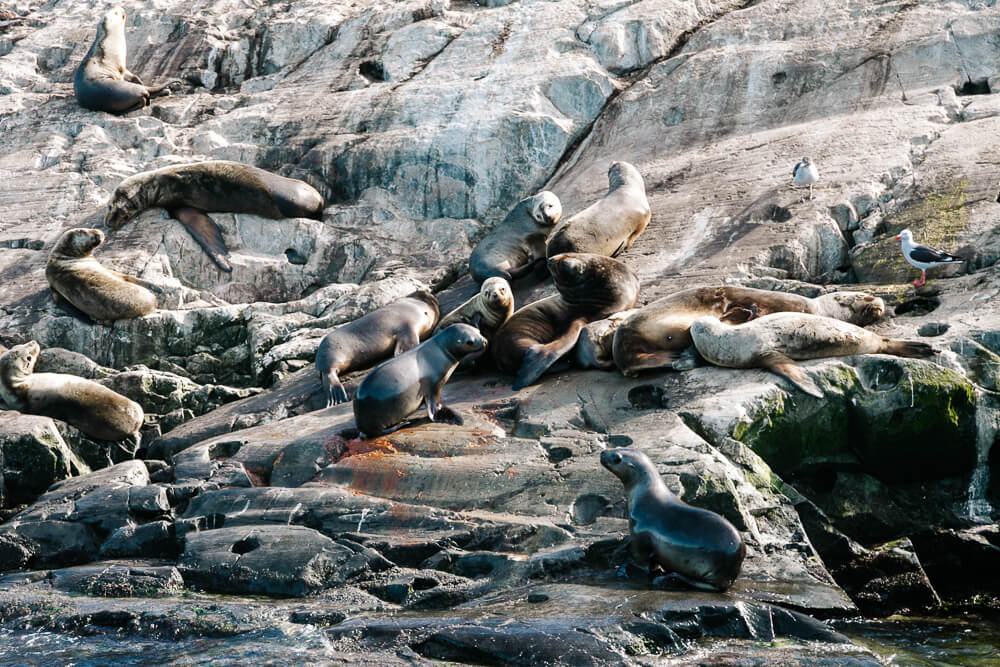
[75,275]
[187,191]
[397,387]
[775,341]
[487,311]
[695,545]
[96,410]
[591,287]
[655,335]
[102,82]
[609,225]
[517,244]
[390,330]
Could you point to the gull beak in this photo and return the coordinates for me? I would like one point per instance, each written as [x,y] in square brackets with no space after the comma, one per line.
[898,237]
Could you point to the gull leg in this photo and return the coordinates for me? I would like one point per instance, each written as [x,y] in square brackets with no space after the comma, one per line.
[923,279]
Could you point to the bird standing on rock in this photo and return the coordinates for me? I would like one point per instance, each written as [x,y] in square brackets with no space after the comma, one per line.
[923,257]
[805,173]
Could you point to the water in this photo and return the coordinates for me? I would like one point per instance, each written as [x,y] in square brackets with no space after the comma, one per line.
[964,640]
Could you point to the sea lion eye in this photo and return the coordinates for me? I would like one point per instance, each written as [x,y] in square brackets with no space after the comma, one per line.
[670,337]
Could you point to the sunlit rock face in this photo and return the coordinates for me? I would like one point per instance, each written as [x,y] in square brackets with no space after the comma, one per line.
[422,123]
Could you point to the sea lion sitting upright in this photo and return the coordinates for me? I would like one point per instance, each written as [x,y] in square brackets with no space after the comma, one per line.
[655,335]
[395,388]
[188,190]
[517,244]
[74,274]
[698,546]
[487,311]
[775,341]
[102,82]
[591,287]
[99,412]
[612,223]
[390,330]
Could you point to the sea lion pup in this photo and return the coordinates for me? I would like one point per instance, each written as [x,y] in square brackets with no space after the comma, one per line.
[76,276]
[655,336]
[487,311]
[390,330]
[612,223]
[395,388]
[102,82]
[97,411]
[698,546]
[591,287]
[188,190]
[775,341]
[517,244]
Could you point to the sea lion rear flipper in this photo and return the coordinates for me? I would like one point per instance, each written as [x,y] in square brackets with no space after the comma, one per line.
[907,348]
[621,248]
[204,230]
[134,78]
[140,282]
[739,314]
[540,357]
[776,362]
[333,389]
[524,269]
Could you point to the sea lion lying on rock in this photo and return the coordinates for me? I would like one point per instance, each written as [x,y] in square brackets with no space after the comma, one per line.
[487,311]
[517,244]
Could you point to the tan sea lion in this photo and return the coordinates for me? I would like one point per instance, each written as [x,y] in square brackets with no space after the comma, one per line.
[695,545]
[591,287]
[397,387]
[188,190]
[487,311]
[102,82]
[390,330]
[97,411]
[654,336]
[612,223]
[517,244]
[593,348]
[76,276]
[775,341]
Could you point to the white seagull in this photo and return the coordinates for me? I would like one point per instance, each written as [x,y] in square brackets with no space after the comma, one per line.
[923,257]
[805,173]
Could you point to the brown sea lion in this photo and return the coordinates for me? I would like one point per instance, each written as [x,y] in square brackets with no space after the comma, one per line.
[97,411]
[775,341]
[390,330]
[591,287]
[76,276]
[397,387]
[517,244]
[655,335]
[593,348]
[609,225]
[487,311]
[188,190]
[102,82]
[695,545]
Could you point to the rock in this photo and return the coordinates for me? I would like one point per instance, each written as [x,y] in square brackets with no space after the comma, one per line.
[962,564]
[33,456]
[120,581]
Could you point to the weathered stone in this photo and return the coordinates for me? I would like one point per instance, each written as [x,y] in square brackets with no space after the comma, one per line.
[113,580]
[962,564]
[33,456]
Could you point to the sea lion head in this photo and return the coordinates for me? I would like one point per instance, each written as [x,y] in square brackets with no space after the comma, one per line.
[546,209]
[78,242]
[858,308]
[624,173]
[496,294]
[594,282]
[430,300]
[460,340]
[629,465]
[19,361]
[125,203]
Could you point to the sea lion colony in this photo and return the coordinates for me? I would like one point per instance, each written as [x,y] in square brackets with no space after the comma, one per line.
[577,252]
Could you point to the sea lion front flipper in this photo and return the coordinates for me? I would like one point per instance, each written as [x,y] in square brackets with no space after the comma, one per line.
[648,361]
[776,362]
[406,339]
[134,78]
[333,389]
[64,303]
[204,230]
[739,314]
[688,359]
[524,269]
[540,357]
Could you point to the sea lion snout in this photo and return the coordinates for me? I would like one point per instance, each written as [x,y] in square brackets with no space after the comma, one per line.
[609,458]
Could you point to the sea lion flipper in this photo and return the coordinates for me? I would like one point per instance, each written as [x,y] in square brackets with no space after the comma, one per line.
[156,289]
[776,362]
[524,269]
[739,314]
[134,78]
[406,339]
[540,357]
[333,389]
[688,359]
[65,304]
[208,235]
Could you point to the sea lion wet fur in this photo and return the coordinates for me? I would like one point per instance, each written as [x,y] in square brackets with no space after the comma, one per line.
[487,310]
[775,341]
[75,275]
[390,330]
[96,410]
[516,245]
[697,545]
[612,223]
[655,335]
[395,388]
[102,82]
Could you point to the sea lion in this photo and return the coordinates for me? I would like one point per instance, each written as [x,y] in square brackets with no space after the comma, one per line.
[487,311]
[655,335]
[697,545]
[390,330]
[775,341]
[395,388]
[591,287]
[76,276]
[188,190]
[593,348]
[609,225]
[97,411]
[517,244]
[102,82]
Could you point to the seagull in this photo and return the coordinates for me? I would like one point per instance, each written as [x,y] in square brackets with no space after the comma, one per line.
[805,173]
[923,257]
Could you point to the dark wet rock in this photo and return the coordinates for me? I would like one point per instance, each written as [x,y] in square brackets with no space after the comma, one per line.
[963,565]
[156,539]
[46,543]
[118,580]
[33,456]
